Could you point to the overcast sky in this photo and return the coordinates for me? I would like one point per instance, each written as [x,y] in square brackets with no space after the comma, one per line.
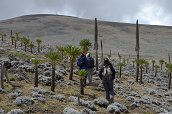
[156,12]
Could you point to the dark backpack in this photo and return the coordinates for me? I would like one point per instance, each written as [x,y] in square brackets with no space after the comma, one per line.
[90,62]
[107,73]
[80,61]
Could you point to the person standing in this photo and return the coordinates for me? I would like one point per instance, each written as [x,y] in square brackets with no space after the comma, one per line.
[82,63]
[90,67]
[107,75]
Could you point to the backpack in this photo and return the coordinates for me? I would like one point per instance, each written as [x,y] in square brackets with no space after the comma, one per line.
[80,61]
[107,73]
[90,62]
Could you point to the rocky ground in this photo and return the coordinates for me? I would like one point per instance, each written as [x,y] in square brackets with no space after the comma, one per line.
[151,97]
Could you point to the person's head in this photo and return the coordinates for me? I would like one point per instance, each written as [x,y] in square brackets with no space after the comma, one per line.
[83,53]
[106,61]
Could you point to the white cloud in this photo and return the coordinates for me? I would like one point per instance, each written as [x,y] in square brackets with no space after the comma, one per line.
[151,14]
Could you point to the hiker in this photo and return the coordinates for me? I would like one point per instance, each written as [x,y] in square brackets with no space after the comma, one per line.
[82,63]
[107,75]
[90,67]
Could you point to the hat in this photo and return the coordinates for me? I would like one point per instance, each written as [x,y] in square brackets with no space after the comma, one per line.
[106,61]
[88,55]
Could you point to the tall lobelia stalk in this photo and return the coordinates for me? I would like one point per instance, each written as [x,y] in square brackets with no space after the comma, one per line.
[137,50]
[96,42]
[169,58]
[101,45]
[12,39]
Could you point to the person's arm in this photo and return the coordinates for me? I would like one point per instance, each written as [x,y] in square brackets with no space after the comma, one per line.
[100,73]
[113,71]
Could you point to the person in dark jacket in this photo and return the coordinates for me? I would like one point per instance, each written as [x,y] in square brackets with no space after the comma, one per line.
[107,75]
[82,63]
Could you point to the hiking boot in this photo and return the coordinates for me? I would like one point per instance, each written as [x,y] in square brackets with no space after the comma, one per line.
[111,100]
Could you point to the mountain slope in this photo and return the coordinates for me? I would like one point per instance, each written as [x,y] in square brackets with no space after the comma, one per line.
[119,37]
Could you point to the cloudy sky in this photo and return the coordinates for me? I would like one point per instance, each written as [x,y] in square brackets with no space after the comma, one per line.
[155,12]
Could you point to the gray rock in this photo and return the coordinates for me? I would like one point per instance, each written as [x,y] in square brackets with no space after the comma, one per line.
[69,110]
[16,93]
[151,91]
[87,111]
[21,75]
[169,93]
[44,80]
[133,93]
[166,113]
[36,95]
[101,102]
[59,97]
[1,111]
[135,105]
[130,98]
[116,107]
[2,90]
[100,87]
[41,91]
[16,111]
[47,73]
[27,68]
[145,99]
[113,109]
[23,100]
[88,104]
[169,100]
[73,99]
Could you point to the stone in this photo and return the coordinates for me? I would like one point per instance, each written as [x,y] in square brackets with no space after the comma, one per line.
[16,93]
[16,111]
[100,87]
[59,97]
[116,107]
[88,104]
[69,110]
[27,68]
[73,99]
[41,91]
[87,111]
[2,90]
[113,109]
[23,100]
[1,111]
[102,102]
[151,91]
[44,80]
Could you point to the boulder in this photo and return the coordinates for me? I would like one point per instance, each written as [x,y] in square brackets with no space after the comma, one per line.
[41,91]
[116,107]
[87,111]
[69,110]
[16,111]
[2,90]
[59,97]
[23,100]
[44,80]
[88,104]
[102,102]
[16,93]
[1,111]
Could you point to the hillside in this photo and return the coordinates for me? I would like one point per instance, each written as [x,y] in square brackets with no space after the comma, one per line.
[18,95]
[155,41]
